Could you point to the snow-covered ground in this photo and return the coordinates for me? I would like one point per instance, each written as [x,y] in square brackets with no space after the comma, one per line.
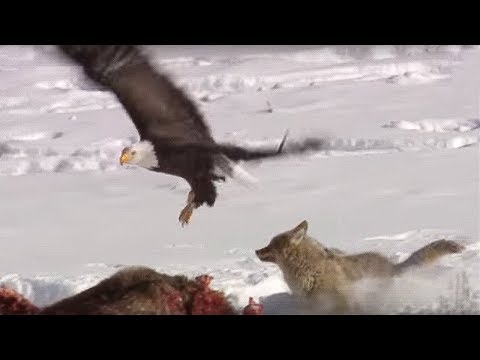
[400,170]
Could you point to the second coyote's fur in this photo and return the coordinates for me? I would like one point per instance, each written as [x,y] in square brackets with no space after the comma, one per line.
[311,269]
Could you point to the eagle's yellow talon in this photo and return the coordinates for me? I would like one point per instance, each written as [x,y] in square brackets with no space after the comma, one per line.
[187,211]
[186,214]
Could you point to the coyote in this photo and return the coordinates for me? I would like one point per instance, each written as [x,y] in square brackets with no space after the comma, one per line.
[312,270]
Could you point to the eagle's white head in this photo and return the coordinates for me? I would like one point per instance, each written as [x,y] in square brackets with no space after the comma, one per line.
[140,154]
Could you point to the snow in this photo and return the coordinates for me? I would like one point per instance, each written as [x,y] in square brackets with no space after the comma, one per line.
[437,125]
[400,170]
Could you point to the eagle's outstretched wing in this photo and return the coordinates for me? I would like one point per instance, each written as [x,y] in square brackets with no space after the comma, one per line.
[160,111]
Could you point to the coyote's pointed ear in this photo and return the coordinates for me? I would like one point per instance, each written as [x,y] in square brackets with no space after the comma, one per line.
[299,232]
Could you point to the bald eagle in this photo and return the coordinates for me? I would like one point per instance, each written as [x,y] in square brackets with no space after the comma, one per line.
[174,138]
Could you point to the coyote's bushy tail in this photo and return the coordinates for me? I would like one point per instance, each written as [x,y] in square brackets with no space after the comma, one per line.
[429,254]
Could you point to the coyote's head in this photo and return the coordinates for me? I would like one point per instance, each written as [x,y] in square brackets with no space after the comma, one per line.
[281,243]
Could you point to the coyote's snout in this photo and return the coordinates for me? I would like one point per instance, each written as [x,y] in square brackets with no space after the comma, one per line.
[311,269]
[265,254]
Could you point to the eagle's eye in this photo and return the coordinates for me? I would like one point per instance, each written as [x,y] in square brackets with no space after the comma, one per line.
[133,152]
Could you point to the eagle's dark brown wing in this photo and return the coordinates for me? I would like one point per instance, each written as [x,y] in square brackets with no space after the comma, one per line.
[161,112]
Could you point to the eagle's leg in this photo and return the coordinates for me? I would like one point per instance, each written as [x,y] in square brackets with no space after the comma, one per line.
[187,211]
[202,192]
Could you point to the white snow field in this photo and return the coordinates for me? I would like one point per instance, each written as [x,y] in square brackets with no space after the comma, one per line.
[400,170]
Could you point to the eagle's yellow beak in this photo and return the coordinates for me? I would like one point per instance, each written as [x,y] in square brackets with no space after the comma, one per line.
[125,158]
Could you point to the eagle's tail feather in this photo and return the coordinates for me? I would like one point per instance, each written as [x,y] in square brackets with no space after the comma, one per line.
[233,170]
